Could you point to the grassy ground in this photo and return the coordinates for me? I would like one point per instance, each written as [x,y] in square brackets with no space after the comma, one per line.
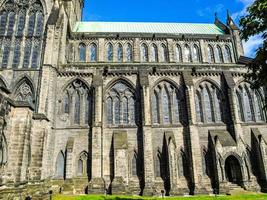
[102,197]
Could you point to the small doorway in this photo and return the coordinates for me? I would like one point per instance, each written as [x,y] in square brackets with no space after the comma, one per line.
[233,170]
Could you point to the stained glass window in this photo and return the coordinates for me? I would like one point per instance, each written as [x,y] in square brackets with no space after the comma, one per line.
[82,51]
[210,54]
[219,55]
[240,108]
[16,57]
[117,110]
[109,110]
[109,52]
[178,53]
[228,57]
[6,54]
[119,53]
[27,54]
[39,27]
[218,106]
[199,110]
[3,21]
[77,108]
[129,53]
[258,107]
[165,106]
[144,53]
[35,55]
[208,104]
[155,107]
[196,55]
[31,24]
[154,53]
[176,106]
[125,110]
[11,23]
[187,53]
[93,53]
[131,110]
[21,23]
[247,104]
[164,53]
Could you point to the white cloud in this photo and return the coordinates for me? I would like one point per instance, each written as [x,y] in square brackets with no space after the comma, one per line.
[251,45]
[210,10]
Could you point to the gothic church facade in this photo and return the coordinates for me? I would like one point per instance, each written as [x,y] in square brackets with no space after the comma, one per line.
[124,108]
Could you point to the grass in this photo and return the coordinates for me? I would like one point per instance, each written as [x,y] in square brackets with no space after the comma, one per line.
[103,197]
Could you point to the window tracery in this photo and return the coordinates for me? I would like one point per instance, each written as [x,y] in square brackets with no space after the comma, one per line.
[209,103]
[16,56]
[77,103]
[166,98]
[24,93]
[82,164]
[120,105]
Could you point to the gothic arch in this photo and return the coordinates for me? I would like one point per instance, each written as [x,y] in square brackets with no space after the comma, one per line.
[82,164]
[3,82]
[74,79]
[124,80]
[24,90]
[60,165]
[3,150]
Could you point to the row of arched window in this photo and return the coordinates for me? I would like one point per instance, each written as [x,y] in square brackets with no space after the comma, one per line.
[155,53]
[21,33]
[168,105]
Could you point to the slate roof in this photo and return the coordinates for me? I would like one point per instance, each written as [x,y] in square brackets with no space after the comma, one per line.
[144,27]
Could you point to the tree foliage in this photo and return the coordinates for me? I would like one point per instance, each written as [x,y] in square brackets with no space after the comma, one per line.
[255,23]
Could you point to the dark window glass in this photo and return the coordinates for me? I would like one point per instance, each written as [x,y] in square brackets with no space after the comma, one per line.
[6,53]
[35,55]
[16,57]
[119,53]
[11,23]
[27,54]
[110,52]
[82,50]
[21,24]
[3,21]
[31,24]
[129,53]
[93,53]
[39,27]
[210,54]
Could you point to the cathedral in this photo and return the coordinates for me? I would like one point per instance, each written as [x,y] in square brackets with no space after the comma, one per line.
[124,108]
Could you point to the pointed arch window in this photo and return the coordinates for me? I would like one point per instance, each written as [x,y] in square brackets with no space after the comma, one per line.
[187,53]
[109,52]
[210,54]
[31,24]
[240,107]
[209,103]
[27,54]
[227,55]
[119,53]
[24,93]
[164,53]
[247,104]
[129,53]
[40,24]
[93,53]
[178,53]
[21,23]
[16,57]
[60,166]
[82,164]
[154,53]
[258,106]
[77,103]
[166,104]
[144,53]
[6,54]
[120,105]
[196,54]
[82,52]
[11,23]
[219,55]
[3,21]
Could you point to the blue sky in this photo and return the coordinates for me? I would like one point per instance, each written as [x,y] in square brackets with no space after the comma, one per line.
[192,11]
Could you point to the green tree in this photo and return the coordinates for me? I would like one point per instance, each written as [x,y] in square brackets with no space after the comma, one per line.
[255,23]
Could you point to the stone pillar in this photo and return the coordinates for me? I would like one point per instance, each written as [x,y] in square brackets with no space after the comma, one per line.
[136,50]
[101,49]
[171,50]
[203,51]
[202,184]
[147,135]
[96,184]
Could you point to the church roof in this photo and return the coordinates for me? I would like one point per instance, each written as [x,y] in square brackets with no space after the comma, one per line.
[144,27]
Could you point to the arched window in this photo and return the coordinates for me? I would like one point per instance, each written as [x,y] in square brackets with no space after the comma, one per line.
[82,164]
[3,21]
[129,53]
[31,24]
[209,101]
[82,52]
[196,54]
[166,98]
[3,150]
[16,57]
[60,166]
[39,26]
[258,106]
[144,53]
[77,103]
[154,53]
[227,55]
[247,104]
[11,23]
[164,53]
[219,55]
[6,54]
[119,53]
[120,105]
[187,53]
[35,55]
[93,53]
[240,107]
[210,54]
[27,54]
[178,53]
[110,52]
[21,23]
